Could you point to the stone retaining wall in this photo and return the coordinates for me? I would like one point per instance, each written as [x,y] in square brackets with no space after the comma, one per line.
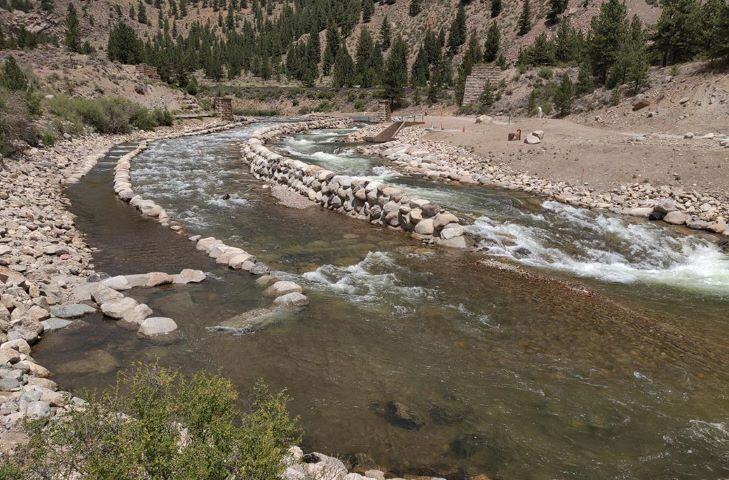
[374,201]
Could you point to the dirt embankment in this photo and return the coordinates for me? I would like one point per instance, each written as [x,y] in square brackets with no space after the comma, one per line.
[601,158]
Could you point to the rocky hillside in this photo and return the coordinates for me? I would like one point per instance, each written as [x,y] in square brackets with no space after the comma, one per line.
[97,17]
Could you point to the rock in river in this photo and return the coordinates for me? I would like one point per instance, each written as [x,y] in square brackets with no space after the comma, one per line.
[283,287]
[291,300]
[402,416]
[72,310]
[154,326]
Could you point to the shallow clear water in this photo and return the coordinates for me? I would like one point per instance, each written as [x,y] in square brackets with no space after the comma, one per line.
[604,358]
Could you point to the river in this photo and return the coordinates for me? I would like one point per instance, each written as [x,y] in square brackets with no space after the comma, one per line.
[571,344]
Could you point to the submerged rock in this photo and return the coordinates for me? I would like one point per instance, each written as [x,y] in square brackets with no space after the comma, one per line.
[249,321]
[73,310]
[400,415]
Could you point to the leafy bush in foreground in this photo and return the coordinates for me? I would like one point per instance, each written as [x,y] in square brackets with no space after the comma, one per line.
[172,427]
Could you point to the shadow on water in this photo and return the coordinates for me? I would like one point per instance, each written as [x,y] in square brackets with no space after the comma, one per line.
[514,373]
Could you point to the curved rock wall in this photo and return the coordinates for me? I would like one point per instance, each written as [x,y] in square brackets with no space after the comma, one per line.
[374,201]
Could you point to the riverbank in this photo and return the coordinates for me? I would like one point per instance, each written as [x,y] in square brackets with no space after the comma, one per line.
[46,269]
[591,170]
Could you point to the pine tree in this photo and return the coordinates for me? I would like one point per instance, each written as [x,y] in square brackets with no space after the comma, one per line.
[567,42]
[493,40]
[368,8]
[123,45]
[715,28]
[385,39]
[631,65]
[332,47]
[495,8]
[343,72]
[525,19]
[415,7]
[420,72]
[13,77]
[457,36]
[47,5]
[73,38]
[677,36]
[556,8]
[141,13]
[487,98]
[396,74]
[585,83]
[363,64]
[607,30]
[563,96]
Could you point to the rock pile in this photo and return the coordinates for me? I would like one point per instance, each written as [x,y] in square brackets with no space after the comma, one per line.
[415,156]
[373,201]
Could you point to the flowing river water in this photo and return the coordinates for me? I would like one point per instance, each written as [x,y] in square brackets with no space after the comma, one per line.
[571,344]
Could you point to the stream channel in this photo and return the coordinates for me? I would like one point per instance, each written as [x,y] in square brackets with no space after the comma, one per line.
[571,344]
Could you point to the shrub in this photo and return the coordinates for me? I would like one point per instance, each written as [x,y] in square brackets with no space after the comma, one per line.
[156,423]
[359,105]
[108,115]
[546,73]
[13,77]
[15,122]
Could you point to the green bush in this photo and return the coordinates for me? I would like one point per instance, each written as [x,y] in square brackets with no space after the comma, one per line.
[108,115]
[159,424]
[359,105]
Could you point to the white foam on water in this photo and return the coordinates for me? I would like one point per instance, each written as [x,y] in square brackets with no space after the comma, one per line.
[580,242]
[371,280]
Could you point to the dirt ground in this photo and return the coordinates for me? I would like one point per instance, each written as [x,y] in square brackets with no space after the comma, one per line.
[600,158]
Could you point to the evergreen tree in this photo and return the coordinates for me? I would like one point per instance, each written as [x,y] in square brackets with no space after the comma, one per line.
[585,83]
[415,7]
[385,39]
[332,47]
[495,8]
[343,72]
[123,45]
[47,5]
[567,42]
[487,98]
[715,28]
[396,75]
[13,77]
[73,37]
[525,19]
[556,8]
[607,30]
[365,76]
[563,96]
[457,36]
[677,35]
[631,65]
[493,40]
[368,8]
[141,13]
[420,71]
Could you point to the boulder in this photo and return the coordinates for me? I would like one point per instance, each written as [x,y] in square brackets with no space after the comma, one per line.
[102,294]
[675,218]
[291,300]
[71,310]
[664,206]
[283,287]
[532,139]
[484,119]
[640,102]
[154,326]
[189,276]
[19,345]
[117,308]
[425,227]
[443,219]
[137,314]
[158,278]
[117,283]
[539,134]
[452,231]
[55,324]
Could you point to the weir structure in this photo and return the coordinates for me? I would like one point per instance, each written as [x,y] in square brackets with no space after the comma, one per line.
[476,82]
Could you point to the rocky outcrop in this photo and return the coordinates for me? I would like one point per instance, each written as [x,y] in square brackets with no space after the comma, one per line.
[376,202]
